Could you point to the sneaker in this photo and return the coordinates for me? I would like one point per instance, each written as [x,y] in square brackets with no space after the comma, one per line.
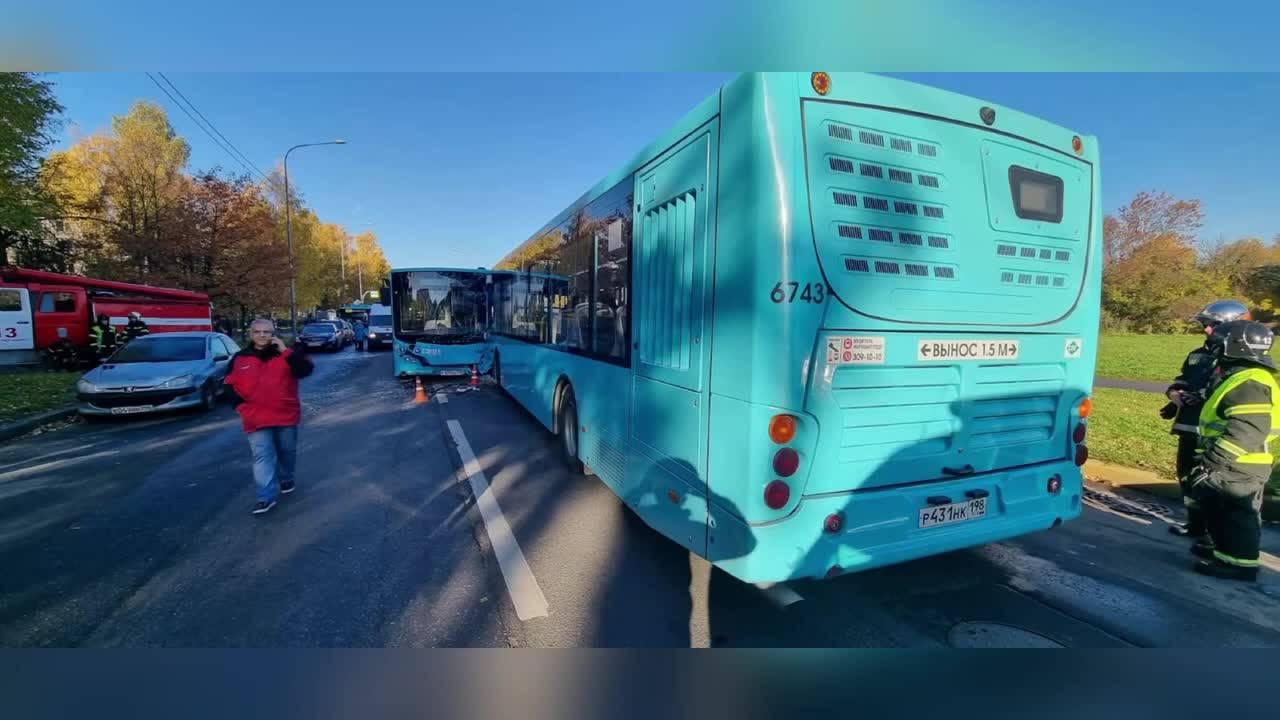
[1219,569]
[286,487]
[263,506]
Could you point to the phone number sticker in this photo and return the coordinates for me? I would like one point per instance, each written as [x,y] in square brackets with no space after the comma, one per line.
[855,350]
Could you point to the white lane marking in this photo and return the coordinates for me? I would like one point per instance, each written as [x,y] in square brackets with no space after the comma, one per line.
[780,594]
[442,398]
[521,584]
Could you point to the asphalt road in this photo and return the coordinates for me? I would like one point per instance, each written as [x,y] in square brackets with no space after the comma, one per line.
[138,533]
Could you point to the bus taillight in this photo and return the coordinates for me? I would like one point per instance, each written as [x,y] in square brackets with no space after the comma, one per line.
[1082,455]
[786,462]
[782,429]
[1084,409]
[1077,144]
[1079,433]
[1055,484]
[777,494]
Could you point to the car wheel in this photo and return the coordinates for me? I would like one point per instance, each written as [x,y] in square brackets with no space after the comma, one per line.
[208,396]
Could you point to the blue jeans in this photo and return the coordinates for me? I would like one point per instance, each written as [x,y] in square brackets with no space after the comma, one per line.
[275,449]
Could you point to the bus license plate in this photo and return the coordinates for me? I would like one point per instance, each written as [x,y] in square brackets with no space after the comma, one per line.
[953,513]
[132,410]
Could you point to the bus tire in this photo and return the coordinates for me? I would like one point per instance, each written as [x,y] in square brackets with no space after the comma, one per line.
[569,447]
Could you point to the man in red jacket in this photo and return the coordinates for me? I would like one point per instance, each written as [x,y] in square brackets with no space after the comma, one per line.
[263,385]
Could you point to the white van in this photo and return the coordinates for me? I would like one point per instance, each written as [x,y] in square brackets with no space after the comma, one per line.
[379,327]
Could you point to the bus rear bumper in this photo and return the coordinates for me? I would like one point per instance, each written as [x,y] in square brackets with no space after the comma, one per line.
[881,527]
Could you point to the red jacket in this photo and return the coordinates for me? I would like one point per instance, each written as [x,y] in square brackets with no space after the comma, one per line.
[264,387]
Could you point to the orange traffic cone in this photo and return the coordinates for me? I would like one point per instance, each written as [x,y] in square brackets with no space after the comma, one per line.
[419,394]
[475,379]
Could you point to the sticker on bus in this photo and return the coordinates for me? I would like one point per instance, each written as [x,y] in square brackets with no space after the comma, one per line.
[967,350]
[855,350]
[1073,348]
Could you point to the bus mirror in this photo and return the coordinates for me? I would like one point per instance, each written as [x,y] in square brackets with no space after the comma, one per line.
[384,295]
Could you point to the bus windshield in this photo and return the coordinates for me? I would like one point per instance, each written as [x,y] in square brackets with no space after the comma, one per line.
[440,306]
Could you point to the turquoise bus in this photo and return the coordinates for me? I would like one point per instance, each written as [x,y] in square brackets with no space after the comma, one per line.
[825,323]
[440,321]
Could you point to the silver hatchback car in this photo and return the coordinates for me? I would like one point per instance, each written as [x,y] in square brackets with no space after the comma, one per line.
[156,373]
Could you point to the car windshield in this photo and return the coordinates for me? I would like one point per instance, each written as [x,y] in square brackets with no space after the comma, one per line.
[161,349]
[380,320]
[319,329]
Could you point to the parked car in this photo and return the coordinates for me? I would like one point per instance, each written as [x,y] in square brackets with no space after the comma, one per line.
[157,373]
[344,330]
[322,336]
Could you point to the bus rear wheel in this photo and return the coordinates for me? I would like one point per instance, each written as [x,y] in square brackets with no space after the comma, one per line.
[569,447]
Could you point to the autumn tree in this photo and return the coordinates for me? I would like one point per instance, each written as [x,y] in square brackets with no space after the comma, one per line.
[29,117]
[120,192]
[1152,277]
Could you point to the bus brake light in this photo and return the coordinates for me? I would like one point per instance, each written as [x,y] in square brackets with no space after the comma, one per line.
[1079,433]
[1082,455]
[786,462]
[777,494]
[1077,144]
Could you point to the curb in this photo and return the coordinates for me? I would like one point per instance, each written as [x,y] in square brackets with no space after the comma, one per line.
[22,426]
[1143,481]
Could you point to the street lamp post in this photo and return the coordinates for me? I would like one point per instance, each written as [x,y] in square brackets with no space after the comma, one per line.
[288,232]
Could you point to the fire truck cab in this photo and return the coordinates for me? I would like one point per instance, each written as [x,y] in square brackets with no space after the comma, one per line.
[42,310]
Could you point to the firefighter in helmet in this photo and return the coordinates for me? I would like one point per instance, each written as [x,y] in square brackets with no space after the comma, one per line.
[1186,395]
[136,327]
[1238,424]
[103,337]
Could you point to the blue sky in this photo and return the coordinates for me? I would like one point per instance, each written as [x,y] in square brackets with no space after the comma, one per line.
[456,169]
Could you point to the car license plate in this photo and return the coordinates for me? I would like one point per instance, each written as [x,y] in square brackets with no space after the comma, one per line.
[453,372]
[131,410]
[935,515]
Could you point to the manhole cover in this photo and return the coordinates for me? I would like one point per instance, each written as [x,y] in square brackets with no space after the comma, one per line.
[996,635]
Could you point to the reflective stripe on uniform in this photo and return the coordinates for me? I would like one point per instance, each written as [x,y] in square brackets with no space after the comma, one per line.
[1238,562]
[1186,428]
[1190,503]
[1243,456]
[1253,409]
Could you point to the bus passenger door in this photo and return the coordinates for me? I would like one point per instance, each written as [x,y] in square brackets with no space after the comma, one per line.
[670,253]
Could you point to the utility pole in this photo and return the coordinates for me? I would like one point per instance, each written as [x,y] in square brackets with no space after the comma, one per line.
[288,232]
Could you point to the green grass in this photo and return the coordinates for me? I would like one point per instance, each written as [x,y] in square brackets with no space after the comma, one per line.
[1126,429]
[24,393]
[1146,357]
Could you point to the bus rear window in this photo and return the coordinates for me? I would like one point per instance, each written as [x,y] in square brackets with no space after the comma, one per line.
[1036,195]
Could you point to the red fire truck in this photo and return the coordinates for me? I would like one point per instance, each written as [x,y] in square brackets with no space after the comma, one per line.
[40,311]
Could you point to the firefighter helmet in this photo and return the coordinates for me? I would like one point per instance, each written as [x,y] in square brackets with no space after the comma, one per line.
[1245,341]
[135,315]
[1221,311]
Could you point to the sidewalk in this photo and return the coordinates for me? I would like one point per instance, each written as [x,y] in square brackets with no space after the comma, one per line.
[1118,476]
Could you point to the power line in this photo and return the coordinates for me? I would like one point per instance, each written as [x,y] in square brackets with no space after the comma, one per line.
[202,128]
[210,124]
